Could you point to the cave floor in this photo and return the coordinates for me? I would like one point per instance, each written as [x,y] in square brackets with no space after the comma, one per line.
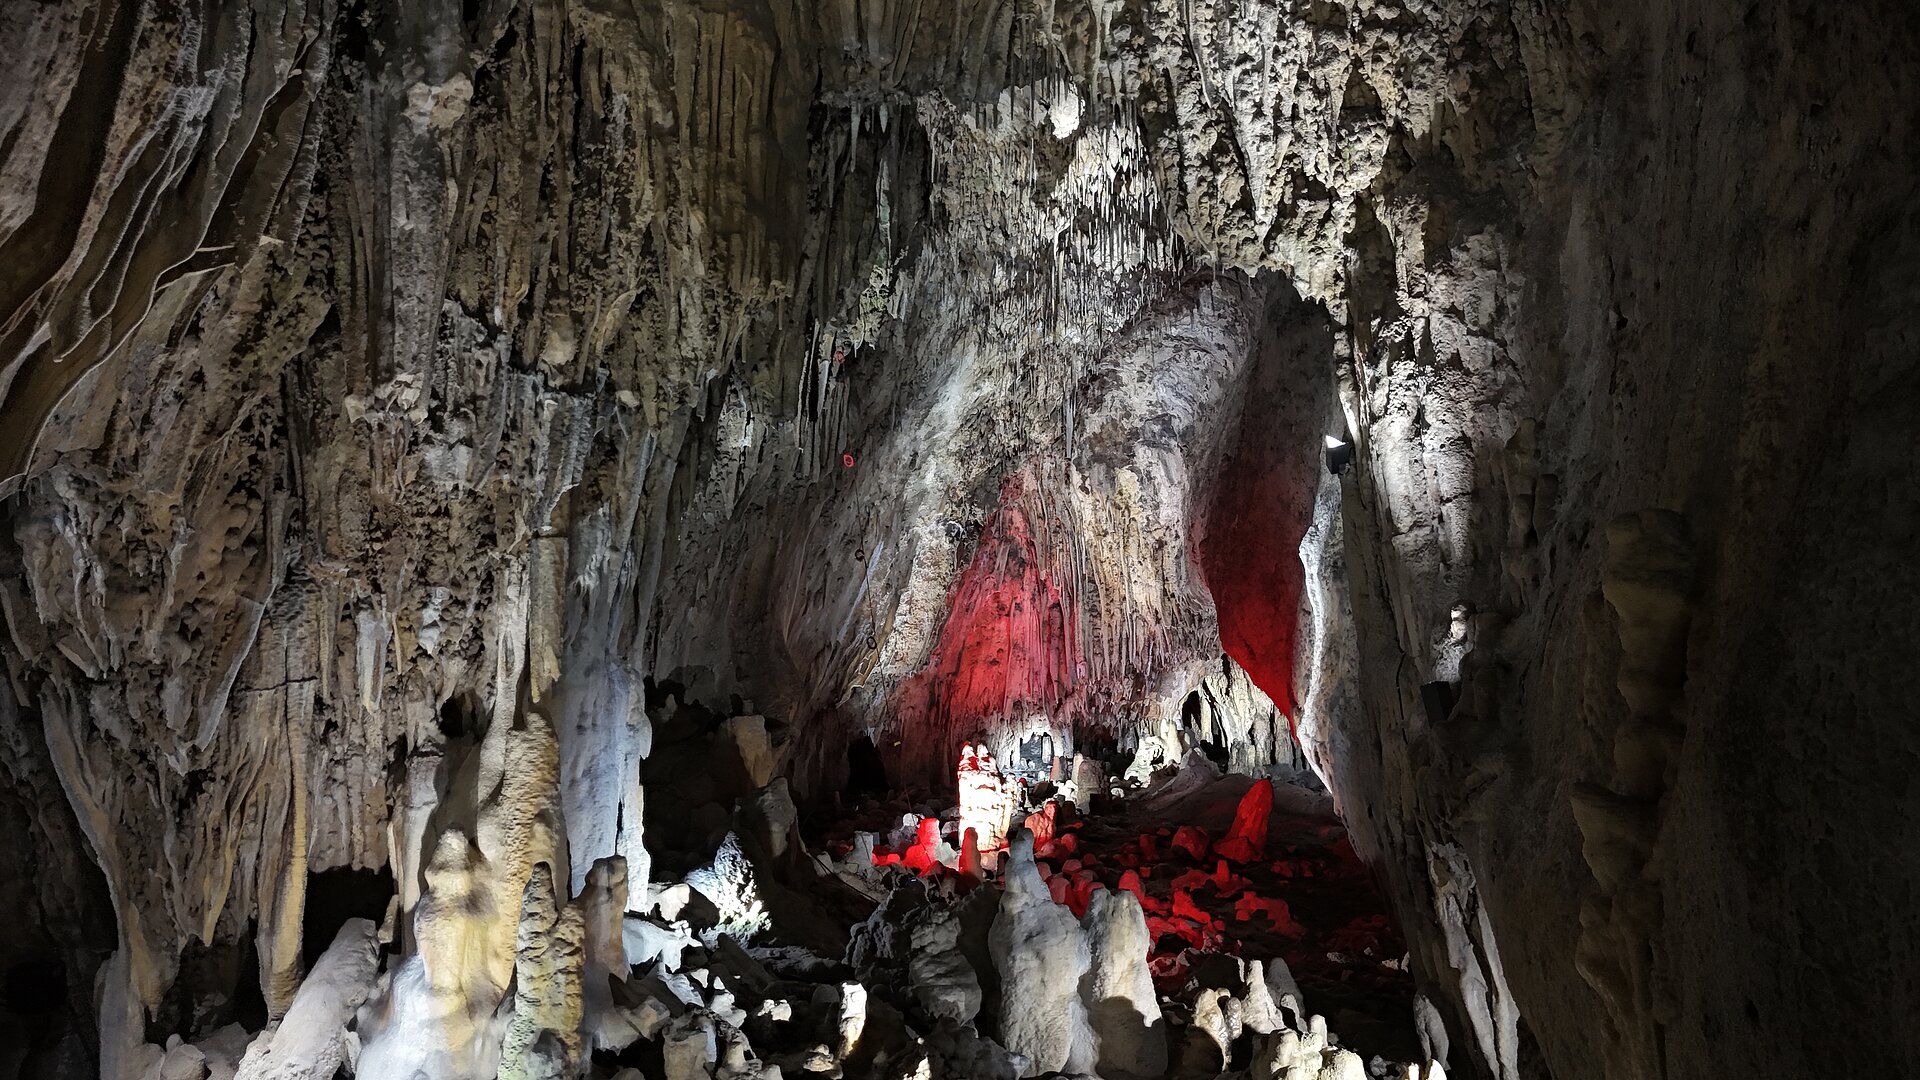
[1343,949]
[1307,900]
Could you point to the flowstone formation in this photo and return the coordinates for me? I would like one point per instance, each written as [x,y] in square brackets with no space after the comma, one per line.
[477,477]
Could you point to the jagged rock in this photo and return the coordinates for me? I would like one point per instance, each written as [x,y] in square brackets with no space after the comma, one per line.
[669,901]
[728,882]
[646,941]
[636,1013]
[690,1047]
[179,1061]
[226,1048]
[957,1051]
[884,939]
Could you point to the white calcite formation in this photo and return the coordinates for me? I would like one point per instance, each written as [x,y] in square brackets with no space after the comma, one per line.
[728,883]
[310,1042]
[987,798]
[1076,995]
[1040,953]
[1123,1010]
[437,1015]
[1305,1055]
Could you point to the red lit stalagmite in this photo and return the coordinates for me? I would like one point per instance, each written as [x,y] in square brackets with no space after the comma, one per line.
[987,799]
[1247,840]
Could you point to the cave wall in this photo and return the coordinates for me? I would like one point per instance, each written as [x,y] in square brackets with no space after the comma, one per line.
[1623,461]
[919,370]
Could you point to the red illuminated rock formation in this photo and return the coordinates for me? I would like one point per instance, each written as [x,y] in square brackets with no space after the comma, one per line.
[1246,841]
[987,798]
[1042,823]
[924,855]
[1191,839]
[1247,543]
[1251,908]
[1130,882]
[970,863]
[1009,643]
[1185,908]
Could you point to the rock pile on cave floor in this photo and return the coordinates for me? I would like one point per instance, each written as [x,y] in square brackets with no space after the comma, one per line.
[1098,947]
[1234,894]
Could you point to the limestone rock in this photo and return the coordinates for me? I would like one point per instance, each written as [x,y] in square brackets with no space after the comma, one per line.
[690,1047]
[1123,1009]
[960,1051]
[1040,953]
[939,973]
[309,1043]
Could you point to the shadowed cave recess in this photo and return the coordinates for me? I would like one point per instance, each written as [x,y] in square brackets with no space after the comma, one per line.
[931,539]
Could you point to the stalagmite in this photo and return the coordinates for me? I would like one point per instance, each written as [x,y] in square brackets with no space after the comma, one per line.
[542,1039]
[1123,1011]
[309,1043]
[1040,953]
[601,910]
[987,800]
[1246,841]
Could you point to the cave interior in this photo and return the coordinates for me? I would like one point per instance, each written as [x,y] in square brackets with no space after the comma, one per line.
[935,539]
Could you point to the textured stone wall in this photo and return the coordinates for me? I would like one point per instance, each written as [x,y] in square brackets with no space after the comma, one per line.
[1623,360]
